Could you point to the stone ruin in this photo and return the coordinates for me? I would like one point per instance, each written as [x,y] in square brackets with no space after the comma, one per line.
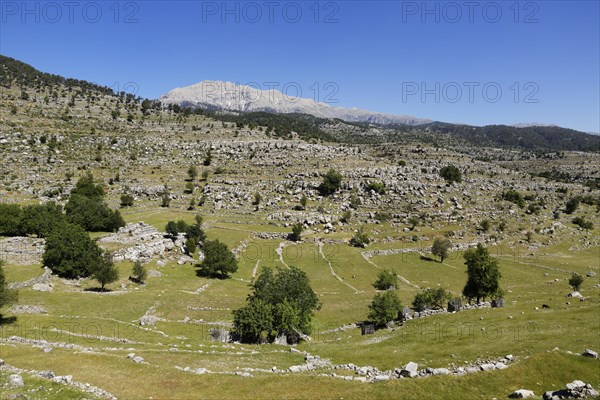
[144,242]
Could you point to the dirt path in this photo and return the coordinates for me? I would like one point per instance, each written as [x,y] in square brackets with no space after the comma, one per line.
[403,279]
[339,278]
[279,252]
[255,269]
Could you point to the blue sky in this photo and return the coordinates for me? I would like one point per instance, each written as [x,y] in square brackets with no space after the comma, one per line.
[492,62]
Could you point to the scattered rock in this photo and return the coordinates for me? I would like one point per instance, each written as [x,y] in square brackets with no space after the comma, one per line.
[16,381]
[42,287]
[575,389]
[46,374]
[135,359]
[154,274]
[440,371]
[521,394]
[24,309]
[381,378]
[487,367]
[65,380]
[410,370]
[590,353]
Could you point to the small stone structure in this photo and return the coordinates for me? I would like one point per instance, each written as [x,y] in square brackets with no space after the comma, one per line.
[498,303]
[367,329]
[454,305]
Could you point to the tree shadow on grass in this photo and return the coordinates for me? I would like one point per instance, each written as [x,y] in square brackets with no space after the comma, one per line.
[97,290]
[425,258]
[202,273]
[8,320]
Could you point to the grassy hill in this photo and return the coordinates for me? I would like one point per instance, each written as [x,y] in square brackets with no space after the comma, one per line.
[58,132]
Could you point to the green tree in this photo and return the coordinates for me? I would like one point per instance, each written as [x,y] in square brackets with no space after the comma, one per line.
[346,215]
[41,220]
[254,322]
[360,238]
[451,174]
[189,187]
[355,202]
[93,214]
[174,228]
[11,216]
[296,234]
[331,183]
[485,225]
[165,199]
[286,296]
[257,199]
[575,281]
[105,271]
[192,204]
[190,245]
[7,296]
[483,274]
[386,280]
[218,261]
[583,223]
[514,197]
[384,308]
[192,172]
[431,298]
[70,253]
[377,187]
[208,160]
[87,208]
[303,201]
[126,200]
[139,272]
[87,187]
[413,222]
[572,205]
[440,248]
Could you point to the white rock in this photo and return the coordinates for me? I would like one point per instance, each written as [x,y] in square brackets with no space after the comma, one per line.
[16,380]
[42,287]
[521,394]
[590,353]
[410,370]
[487,367]
[381,378]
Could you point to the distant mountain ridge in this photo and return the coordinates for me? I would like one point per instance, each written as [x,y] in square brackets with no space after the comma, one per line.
[375,127]
[219,95]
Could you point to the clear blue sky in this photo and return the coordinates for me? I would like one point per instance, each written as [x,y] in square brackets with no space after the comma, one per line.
[379,55]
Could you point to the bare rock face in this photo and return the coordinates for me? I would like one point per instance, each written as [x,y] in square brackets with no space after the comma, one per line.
[143,242]
[232,96]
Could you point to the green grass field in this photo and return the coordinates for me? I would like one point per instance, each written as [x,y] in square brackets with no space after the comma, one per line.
[104,328]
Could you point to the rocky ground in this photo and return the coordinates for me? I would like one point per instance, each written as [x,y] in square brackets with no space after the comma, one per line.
[538,245]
